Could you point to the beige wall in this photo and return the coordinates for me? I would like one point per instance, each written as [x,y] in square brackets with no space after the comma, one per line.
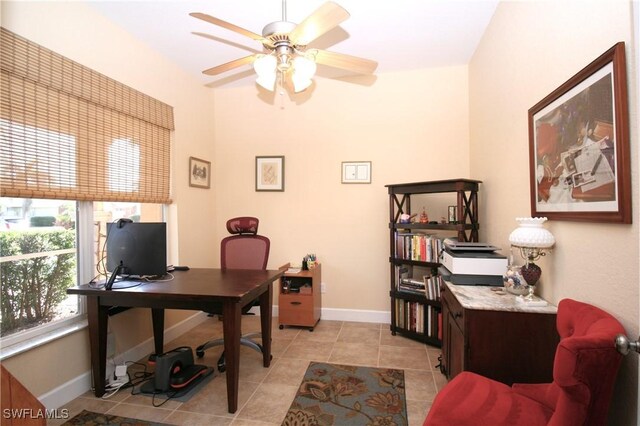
[413,126]
[74,30]
[529,49]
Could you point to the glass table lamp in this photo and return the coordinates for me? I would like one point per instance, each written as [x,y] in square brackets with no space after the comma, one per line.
[533,241]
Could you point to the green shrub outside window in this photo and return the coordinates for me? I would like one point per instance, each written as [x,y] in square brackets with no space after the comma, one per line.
[33,287]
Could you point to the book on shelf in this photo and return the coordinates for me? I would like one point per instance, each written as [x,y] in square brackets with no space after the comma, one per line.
[418,318]
[417,246]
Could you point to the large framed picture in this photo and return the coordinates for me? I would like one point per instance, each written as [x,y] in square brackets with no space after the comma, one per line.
[270,173]
[579,146]
[199,173]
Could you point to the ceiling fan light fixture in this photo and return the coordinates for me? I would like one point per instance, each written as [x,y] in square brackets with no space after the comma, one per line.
[304,66]
[265,67]
[300,84]
[285,44]
[304,69]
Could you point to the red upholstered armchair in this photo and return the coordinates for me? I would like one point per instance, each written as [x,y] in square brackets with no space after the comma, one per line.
[584,372]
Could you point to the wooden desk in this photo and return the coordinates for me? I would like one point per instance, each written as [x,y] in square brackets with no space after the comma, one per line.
[196,289]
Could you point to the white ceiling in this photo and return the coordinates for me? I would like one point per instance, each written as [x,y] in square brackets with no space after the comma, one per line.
[398,34]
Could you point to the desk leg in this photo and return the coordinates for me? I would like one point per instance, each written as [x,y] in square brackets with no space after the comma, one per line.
[98,319]
[232,314]
[265,323]
[157,318]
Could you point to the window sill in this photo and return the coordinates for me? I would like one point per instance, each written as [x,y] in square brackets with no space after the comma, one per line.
[41,339]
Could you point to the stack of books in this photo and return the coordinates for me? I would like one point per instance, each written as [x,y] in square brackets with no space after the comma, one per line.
[429,287]
[409,285]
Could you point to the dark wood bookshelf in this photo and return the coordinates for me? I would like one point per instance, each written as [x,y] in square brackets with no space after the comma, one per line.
[465,229]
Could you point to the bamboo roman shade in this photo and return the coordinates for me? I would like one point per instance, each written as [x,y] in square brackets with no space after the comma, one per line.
[69,132]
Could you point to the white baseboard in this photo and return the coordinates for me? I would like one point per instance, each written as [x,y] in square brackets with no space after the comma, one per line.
[334,314]
[72,389]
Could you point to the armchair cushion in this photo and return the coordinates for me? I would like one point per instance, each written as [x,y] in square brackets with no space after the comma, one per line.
[474,400]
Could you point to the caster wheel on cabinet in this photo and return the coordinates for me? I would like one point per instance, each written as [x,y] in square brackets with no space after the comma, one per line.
[281,326]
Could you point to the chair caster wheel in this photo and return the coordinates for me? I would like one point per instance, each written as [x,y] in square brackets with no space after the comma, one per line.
[199,354]
[311,330]
[222,368]
[281,326]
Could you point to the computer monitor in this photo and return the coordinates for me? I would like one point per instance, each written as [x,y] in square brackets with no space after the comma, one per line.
[136,249]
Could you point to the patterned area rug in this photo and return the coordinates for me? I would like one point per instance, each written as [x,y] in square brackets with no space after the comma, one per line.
[332,394]
[91,418]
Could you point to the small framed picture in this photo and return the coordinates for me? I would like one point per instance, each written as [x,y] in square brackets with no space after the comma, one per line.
[199,173]
[356,172]
[270,173]
[452,214]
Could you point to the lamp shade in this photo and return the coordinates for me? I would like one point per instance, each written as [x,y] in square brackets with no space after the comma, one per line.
[265,67]
[531,233]
[303,69]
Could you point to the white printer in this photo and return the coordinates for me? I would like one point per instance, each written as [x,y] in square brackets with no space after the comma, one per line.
[472,263]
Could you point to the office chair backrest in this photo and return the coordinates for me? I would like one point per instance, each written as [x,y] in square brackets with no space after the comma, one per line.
[245,249]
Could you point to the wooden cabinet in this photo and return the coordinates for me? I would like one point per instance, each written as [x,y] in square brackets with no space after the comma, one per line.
[493,335]
[299,298]
[16,399]
[413,315]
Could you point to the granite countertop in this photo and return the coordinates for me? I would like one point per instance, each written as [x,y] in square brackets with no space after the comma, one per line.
[480,297]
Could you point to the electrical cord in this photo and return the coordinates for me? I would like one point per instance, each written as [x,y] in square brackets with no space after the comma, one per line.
[112,390]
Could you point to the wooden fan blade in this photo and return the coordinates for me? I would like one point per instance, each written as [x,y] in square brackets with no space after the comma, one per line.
[230,43]
[227,25]
[345,62]
[326,17]
[230,65]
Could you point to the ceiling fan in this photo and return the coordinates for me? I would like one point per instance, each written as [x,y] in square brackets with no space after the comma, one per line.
[285,48]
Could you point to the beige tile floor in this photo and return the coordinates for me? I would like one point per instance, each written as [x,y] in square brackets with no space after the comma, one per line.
[265,394]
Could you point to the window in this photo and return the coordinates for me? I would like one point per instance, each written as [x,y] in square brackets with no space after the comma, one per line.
[124,166]
[37,262]
[77,150]
[52,147]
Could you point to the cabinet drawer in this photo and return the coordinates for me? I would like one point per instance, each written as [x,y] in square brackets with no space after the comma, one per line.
[456,311]
[295,309]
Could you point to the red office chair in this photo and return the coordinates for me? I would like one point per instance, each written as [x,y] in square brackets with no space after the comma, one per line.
[584,373]
[244,249]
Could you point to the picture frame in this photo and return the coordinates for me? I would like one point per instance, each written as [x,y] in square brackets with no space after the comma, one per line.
[270,173]
[579,160]
[199,173]
[356,172]
[451,214]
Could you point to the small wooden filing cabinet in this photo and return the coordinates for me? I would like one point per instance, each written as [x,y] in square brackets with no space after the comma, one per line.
[493,335]
[299,300]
